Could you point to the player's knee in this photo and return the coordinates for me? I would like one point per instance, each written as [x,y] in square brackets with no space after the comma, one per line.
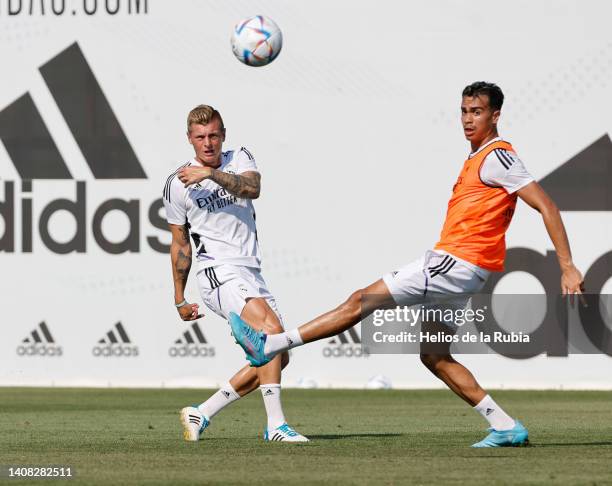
[284,360]
[436,362]
[272,325]
[431,361]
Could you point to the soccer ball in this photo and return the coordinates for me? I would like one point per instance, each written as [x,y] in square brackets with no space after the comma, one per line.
[256,41]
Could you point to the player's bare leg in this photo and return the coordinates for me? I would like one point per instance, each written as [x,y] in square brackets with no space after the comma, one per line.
[261,348]
[258,311]
[242,383]
[246,380]
[196,419]
[360,304]
[437,358]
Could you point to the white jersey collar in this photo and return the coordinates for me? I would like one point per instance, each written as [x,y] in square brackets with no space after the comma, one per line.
[480,149]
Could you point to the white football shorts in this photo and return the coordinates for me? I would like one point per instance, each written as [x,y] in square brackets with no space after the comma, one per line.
[226,288]
[436,281]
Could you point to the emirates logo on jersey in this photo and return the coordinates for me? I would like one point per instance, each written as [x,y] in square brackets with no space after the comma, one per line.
[217,199]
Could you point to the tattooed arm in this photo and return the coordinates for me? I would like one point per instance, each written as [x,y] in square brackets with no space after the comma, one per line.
[246,185]
[180,254]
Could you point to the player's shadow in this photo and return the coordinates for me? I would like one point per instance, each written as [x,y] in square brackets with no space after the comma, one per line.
[572,444]
[349,436]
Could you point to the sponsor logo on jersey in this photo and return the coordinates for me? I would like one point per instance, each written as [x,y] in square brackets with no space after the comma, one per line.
[216,199]
[346,345]
[115,344]
[39,342]
[37,160]
[192,344]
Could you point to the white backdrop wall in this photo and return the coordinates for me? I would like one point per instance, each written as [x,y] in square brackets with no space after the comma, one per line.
[355,128]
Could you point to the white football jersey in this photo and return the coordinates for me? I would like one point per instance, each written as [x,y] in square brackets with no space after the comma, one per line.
[503,169]
[222,225]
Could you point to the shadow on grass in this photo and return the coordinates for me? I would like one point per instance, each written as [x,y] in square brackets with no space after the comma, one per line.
[349,436]
[571,444]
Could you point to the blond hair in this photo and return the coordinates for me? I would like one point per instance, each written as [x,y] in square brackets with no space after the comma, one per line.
[203,115]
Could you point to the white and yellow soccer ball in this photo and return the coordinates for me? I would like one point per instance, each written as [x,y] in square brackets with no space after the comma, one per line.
[256,41]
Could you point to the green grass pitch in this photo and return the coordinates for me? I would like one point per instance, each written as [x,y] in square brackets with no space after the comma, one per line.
[118,436]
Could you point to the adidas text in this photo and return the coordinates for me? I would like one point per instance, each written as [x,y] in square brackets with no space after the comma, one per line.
[115,350]
[78,207]
[345,351]
[191,351]
[39,350]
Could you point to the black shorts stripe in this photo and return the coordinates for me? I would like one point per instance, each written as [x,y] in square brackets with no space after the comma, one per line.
[448,269]
[445,269]
[441,264]
[213,274]
[212,278]
[207,273]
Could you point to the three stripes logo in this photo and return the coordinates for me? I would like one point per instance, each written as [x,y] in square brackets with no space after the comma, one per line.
[443,267]
[346,345]
[115,343]
[39,342]
[192,344]
[35,155]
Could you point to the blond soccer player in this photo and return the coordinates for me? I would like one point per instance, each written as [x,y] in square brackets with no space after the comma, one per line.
[208,199]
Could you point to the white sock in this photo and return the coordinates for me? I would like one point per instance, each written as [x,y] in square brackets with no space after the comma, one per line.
[277,343]
[221,399]
[272,402]
[493,413]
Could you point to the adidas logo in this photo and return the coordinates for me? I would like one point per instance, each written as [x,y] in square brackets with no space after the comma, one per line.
[39,342]
[191,345]
[104,146]
[345,345]
[489,411]
[116,343]
[75,89]
[268,392]
[226,394]
[289,341]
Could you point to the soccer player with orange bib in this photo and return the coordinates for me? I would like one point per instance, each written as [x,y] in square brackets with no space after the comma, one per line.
[471,246]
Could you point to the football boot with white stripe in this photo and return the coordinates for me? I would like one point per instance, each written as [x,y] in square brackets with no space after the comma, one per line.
[193,423]
[284,433]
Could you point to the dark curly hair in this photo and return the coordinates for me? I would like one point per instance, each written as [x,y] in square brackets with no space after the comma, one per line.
[494,92]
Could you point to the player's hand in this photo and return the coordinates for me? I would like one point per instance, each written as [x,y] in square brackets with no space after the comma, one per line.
[189,312]
[193,175]
[572,282]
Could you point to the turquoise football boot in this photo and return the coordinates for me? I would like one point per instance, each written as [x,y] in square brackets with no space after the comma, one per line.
[515,437]
[250,340]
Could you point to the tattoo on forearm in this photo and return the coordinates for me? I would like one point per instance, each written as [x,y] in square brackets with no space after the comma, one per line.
[185,234]
[246,186]
[182,265]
